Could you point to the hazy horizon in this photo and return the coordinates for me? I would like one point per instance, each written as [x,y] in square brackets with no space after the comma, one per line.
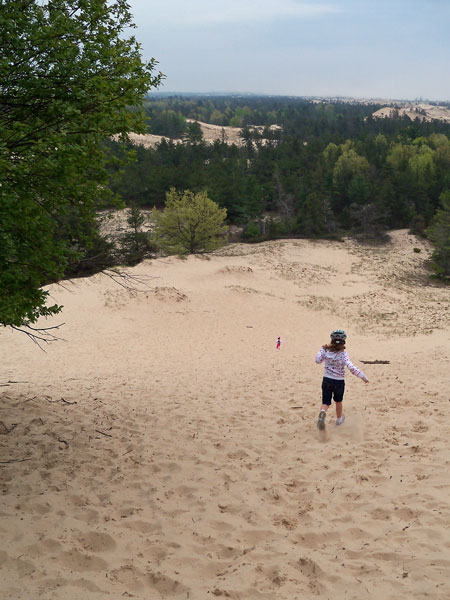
[224,93]
[331,48]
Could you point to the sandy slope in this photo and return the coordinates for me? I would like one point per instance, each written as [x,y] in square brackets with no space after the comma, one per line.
[421,111]
[167,450]
[211,133]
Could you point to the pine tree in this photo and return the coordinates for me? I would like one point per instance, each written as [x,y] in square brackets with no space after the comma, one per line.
[135,243]
[439,234]
[190,223]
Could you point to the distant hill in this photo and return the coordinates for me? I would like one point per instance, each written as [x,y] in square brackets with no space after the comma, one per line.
[422,111]
[211,133]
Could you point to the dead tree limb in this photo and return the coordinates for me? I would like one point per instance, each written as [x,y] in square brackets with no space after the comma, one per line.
[376,362]
[103,433]
[126,280]
[40,334]
[60,400]
[45,335]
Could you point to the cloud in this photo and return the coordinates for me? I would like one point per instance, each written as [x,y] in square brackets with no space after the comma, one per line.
[207,12]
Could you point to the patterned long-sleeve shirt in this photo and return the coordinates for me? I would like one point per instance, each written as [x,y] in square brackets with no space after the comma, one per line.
[335,363]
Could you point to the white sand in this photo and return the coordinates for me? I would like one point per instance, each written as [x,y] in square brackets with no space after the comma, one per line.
[421,111]
[211,133]
[169,451]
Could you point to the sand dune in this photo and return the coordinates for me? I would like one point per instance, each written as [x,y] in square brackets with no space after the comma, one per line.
[421,111]
[211,133]
[165,449]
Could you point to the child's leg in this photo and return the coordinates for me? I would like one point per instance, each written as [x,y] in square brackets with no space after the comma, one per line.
[338,398]
[326,402]
[327,393]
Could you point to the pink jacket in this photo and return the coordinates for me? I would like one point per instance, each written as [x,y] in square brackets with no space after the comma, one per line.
[335,363]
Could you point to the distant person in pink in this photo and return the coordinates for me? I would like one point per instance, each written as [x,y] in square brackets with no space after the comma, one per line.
[278,343]
[333,383]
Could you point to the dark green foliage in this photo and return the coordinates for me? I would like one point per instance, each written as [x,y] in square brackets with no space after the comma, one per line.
[100,255]
[439,234]
[168,123]
[260,230]
[418,225]
[252,232]
[135,244]
[365,219]
[194,132]
[315,217]
[68,77]
[190,223]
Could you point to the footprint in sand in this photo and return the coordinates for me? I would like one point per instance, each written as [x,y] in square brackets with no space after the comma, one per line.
[46,546]
[166,586]
[143,526]
[88,515]
[285,521]
[352,429]
[169,294]
[95,541]
[129,576]
[78,561]
[20,568]
[311,570]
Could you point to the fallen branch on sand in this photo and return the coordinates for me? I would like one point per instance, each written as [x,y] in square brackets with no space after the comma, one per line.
[6,430]
[376,362]
[60,400]
[30,399]
[14,460]
[107,434]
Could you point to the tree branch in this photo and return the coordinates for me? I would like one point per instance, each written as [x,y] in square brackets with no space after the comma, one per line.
[40,334]
[126,280]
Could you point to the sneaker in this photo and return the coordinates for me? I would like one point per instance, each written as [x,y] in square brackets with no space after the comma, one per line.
[321,420]
[340,420]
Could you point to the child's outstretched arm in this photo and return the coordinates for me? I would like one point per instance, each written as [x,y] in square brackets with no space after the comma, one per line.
[354,370]
[320,355]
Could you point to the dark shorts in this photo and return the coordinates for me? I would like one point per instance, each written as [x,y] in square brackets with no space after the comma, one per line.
[332,388]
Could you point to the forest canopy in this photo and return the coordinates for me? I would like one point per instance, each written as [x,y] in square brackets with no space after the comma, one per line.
[329,167]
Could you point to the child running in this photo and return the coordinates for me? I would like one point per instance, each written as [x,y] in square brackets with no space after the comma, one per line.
[333,384]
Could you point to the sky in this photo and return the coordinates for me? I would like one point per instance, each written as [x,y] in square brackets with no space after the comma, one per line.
[397,49]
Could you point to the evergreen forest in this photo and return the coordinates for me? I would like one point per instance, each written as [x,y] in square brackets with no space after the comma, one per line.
[325,169]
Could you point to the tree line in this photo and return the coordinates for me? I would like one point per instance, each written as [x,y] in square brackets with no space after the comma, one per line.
[331,168]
